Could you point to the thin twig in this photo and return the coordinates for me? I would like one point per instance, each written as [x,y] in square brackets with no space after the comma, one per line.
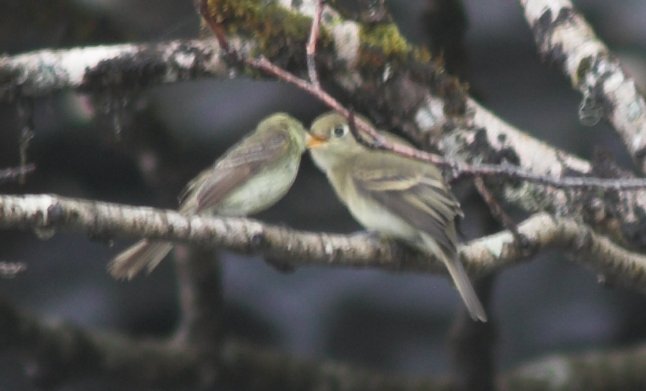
[26,115]
[495,208]
[9,270]
[12,173]
[311,45]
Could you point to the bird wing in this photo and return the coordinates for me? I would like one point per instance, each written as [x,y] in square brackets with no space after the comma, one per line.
[245,159]
[417,193]
[412,190]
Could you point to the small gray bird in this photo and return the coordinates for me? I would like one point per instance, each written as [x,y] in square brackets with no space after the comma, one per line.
[393,195]
[251,176]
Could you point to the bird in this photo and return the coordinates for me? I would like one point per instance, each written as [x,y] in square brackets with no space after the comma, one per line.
[249,177]
[393,195]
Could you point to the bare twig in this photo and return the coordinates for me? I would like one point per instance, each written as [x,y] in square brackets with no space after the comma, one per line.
[299,248]
[311,45]
[11,269]
[26,115]
[563,35]
[9,174]
[496,209]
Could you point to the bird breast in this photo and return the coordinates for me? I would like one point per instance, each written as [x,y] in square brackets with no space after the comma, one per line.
[374,217]
[261,190]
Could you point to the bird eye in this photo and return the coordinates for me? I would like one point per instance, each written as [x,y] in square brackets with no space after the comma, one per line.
[339,130]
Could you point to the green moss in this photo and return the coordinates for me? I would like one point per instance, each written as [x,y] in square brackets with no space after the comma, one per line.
[282,34]
[384,43]
[385,37]
[275,28]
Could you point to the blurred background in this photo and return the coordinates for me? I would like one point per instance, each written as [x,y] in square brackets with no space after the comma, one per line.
[141,148]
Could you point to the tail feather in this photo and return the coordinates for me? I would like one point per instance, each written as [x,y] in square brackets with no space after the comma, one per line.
[464,286]
[143,254]
[460,279]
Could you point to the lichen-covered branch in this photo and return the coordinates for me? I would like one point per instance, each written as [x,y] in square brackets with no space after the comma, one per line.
[299,248]
[564,37]
[102,69]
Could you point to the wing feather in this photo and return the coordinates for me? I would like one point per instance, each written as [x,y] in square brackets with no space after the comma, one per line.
[235,167]
[412,190]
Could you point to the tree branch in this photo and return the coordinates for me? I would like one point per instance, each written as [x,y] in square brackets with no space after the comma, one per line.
[300,248]
[12,173]
[101,69]
[563,36]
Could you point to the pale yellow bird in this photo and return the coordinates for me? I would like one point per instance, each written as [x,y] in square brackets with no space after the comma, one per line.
[396,196]
[250,177]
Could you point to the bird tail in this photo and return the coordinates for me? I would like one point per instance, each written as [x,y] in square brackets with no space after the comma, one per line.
[460,279]
[143,254]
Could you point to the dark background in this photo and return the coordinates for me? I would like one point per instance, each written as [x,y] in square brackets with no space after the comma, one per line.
[168,133]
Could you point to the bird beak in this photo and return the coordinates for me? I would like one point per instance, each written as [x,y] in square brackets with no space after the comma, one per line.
[314,141]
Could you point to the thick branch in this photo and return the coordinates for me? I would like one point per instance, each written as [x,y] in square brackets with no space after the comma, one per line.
[564,36]
[108,68]
[299,248]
